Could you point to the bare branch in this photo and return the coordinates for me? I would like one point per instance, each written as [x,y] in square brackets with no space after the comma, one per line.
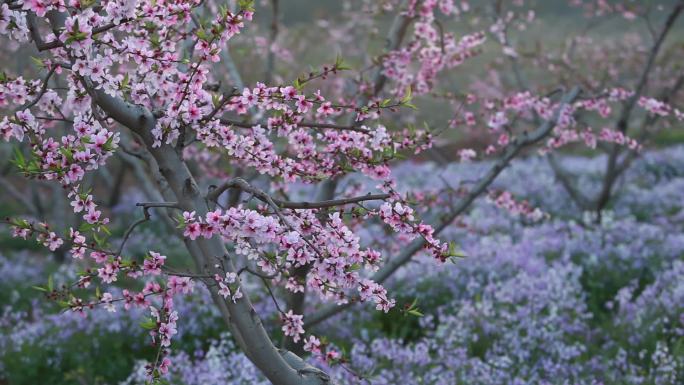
[42,91]
[611,174]
[331,126]
[280,204]
[564,178]
[270,56]
[643,79]
[395,36]
[147,205]
[19,196]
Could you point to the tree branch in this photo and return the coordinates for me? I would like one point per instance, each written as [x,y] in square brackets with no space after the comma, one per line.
[611,174]
[643,79]
[243,185]
[331,126]
[564,178]
[270,56]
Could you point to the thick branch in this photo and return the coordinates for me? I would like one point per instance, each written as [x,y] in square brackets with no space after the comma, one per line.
[270,56]
[395,36]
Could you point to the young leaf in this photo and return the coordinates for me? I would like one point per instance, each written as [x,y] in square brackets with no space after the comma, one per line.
[37,61]
[407,96]
[19,159]
[148,324]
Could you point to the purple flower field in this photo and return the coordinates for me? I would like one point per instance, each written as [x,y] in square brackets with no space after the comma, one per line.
[560,300]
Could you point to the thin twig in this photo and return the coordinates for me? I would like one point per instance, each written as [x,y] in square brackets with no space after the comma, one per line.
[146,207]
[330,126]
[242,184]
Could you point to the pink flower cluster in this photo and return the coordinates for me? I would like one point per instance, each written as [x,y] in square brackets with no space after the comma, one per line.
[329,246]
[321,350]
[313,150]
[431,50]
[401,219]
[293,325]
[13,23]
[506,201]
[225,289]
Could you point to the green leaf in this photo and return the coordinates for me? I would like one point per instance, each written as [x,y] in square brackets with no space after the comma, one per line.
[67,153]
[85,227]
[415,312]
[105,230]
[454,250]
[354,267]
[126,263]
[407,95]
[22,223]
[37,61]
[86,3]
[19,159]
[246,5]
[108,145]
[223,10]
[39,288]
[413,304]
[340,64]
[181,221]
[124,82]
[297,84]
[201,34]
[148,324]
[360,211]
[50,284]
[32,167]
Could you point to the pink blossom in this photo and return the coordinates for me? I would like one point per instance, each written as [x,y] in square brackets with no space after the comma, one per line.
[293,325]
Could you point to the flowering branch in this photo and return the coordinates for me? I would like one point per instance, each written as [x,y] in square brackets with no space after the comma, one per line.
[514,148]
